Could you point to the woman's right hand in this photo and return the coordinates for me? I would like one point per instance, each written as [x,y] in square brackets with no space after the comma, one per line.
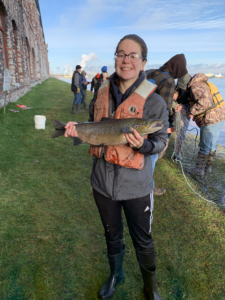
[71,130]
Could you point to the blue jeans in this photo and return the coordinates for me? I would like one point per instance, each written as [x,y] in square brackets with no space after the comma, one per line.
[154,158]
[209,137]
[84,93]
[77,98]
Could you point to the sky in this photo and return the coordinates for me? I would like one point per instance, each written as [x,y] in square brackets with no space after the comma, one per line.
[87,32]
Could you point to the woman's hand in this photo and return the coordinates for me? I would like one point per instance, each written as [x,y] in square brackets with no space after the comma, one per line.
[71,130]
[134,140]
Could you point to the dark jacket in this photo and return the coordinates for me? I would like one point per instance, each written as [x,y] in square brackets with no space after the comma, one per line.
[76,81]
[94,84]
[84,86]
[165,75]
[119,183]
[165,83]
[101,80]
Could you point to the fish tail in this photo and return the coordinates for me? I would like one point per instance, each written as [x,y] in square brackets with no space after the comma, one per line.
[59,128]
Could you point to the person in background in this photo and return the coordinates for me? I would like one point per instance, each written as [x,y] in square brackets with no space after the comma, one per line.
[164,79]
[207,109]
[120,174]
[104,75]
[94,83]
[76,87]
[84,89]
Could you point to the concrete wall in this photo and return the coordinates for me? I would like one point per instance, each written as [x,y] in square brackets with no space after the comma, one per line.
[23,49]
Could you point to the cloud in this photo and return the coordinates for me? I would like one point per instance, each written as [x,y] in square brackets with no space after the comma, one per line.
[93,70]
[68,69]
[85,58]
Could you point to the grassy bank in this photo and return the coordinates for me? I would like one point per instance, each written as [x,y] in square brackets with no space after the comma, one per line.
[51,239]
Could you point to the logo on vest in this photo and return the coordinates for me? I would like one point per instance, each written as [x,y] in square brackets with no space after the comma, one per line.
[132,109]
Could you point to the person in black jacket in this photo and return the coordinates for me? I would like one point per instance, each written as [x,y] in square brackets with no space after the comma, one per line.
[76,87]
[94,83]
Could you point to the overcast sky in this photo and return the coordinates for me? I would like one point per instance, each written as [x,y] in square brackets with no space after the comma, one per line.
[88,31]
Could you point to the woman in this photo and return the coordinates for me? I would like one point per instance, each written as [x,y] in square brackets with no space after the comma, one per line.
[121,175]
[84,89]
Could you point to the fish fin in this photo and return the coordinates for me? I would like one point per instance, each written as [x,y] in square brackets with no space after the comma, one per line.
[77,141]
[105,119]
[59,128]
[126,130]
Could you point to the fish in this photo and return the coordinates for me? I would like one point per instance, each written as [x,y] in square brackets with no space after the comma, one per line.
[108,132]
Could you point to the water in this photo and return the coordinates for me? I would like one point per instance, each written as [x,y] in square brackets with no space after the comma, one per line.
[220,84]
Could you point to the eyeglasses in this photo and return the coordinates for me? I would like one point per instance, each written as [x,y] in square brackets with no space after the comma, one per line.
[133,57]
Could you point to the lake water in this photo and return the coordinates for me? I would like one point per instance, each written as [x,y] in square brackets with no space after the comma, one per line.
[219,83]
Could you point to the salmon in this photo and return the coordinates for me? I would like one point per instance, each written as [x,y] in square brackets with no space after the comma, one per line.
[108,132]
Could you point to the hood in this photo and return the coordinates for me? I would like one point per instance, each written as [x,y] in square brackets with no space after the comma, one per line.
[198,78]
[182,82]
[176,66]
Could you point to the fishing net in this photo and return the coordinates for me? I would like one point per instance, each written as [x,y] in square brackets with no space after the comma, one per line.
[210,186]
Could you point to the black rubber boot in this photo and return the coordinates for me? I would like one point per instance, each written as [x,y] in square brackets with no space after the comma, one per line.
[150,289]
[148,271]
[116,277]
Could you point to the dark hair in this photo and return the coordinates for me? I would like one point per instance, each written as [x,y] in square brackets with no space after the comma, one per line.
[137,39]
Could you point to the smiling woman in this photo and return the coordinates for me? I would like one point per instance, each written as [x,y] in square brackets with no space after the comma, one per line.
[128,66]
[121,175]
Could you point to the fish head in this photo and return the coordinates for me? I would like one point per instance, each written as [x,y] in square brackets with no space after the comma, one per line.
[147,126]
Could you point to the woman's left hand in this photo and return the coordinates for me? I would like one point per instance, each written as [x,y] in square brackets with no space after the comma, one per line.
[134,140]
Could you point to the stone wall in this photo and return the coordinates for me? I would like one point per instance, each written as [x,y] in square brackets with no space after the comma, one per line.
[23,49]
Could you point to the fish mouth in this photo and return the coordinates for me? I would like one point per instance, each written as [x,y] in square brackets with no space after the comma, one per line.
[157,125]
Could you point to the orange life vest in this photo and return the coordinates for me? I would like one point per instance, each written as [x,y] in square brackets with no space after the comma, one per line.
[132,107]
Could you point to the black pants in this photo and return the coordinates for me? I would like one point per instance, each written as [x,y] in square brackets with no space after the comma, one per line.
[138,213]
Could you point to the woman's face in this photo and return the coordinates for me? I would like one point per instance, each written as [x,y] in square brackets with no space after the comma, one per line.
[126,70]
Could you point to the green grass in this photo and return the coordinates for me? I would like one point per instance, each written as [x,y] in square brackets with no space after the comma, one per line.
[52,243]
